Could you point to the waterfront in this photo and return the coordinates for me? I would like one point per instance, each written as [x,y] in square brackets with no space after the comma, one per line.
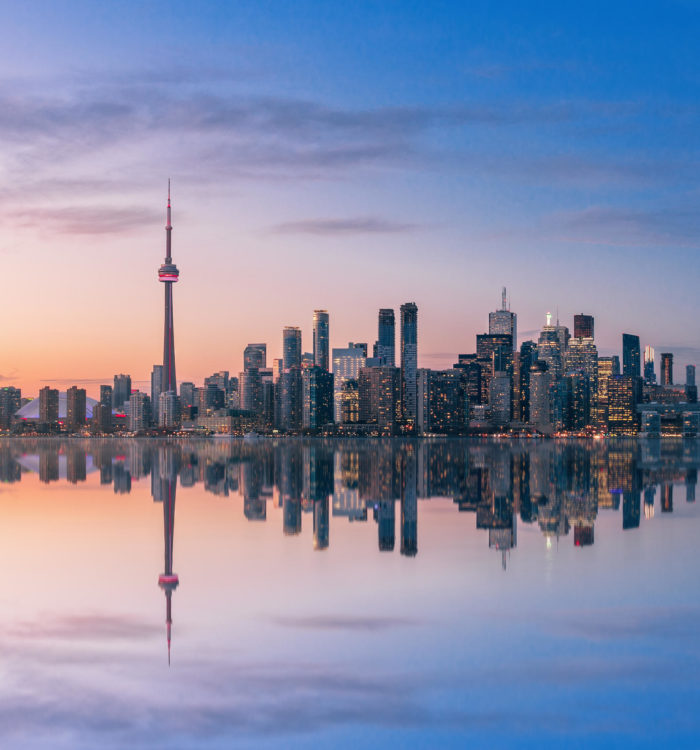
[349,593]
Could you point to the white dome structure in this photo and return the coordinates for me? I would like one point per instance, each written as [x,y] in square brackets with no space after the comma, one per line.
[31,410]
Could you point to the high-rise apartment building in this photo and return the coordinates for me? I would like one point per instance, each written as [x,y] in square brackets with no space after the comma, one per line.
[583,326]
[169,414]
[156,390]
[409,360]
[528,356]
[291,347]
[690,375]
[48,405]
[321,340]
[631,364]
[666,368]
[380,396]
[10,402]
[317,396]
[540,398]
[441,403]
[504,321]
[622,405]
[121,391]
[552,346]
[76,405]
[386,337]
[139,411]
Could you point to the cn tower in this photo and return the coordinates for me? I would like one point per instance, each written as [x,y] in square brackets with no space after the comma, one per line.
[168,274]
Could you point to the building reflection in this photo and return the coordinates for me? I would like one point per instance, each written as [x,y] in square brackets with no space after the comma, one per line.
[555,486]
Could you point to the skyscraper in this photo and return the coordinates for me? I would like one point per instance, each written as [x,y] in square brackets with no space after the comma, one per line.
[504,321]
[317,395]
[156,390]
[121,391]
[347,364]
[630,355]
[409,360]
[291,347]
[75,407]
[690,374]
[321,339]
[649,374]
[255,355]
[386,337]
[48,405]
[583,326]
[168,274]
[666,368]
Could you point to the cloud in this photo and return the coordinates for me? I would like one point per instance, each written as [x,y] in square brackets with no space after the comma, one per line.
[348,226]
[345,622]
[85,627]
[76,381]
[676,226]
[88,219]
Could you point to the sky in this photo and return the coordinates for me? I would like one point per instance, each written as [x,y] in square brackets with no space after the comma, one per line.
[346,156]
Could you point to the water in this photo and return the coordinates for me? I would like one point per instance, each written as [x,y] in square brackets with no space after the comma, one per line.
[348,594]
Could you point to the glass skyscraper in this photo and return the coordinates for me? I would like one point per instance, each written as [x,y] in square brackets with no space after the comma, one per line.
[386,337]
[409,360]
[291,347]
[321,339]
[631,355]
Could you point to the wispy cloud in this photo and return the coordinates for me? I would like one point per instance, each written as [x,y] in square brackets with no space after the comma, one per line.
[346,622]
[88,219]
[347,226]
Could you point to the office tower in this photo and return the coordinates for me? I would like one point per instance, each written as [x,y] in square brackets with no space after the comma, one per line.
[607,368]
[577,401]
[441,401]
[76,403]
[102,417]
[528,356]
[622,418]
[552,346]
[168,275]
[219,380]
[347,364]
[500,398]
[540,405]
[690,374]
[291,347]
[156,389]
[471,369]
[409,360]
[317,388]
[48,405]
[321,339]
[666,368]
[139,411]
[307,360]
[380,396]
[504,321]
[386,337]
[10,402]
[630,355]
[121,391]
[583,326]
[649,374]
[169,413]
[255,355]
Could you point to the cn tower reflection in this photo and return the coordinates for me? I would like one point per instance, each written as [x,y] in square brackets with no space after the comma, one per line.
[163,485]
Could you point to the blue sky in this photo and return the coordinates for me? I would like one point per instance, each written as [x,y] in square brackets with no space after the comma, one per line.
[348,156]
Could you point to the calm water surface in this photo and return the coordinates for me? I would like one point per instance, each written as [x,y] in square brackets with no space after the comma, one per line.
[301,593]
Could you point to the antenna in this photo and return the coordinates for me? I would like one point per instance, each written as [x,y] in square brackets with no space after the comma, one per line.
[503,299]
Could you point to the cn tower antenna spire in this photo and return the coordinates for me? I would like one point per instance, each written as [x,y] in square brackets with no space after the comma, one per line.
[168,274]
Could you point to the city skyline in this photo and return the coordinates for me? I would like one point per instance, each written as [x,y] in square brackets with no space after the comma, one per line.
[468,153]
